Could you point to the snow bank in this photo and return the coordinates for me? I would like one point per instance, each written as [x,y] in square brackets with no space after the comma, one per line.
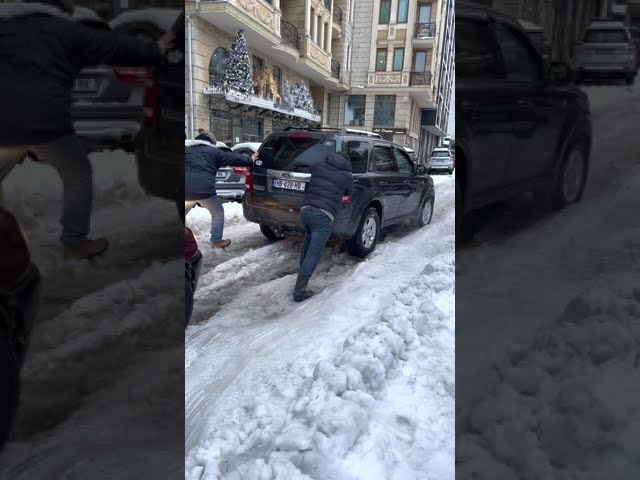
[566,403]
[381,409]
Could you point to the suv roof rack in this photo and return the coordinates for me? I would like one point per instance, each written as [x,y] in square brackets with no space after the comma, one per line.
[342,131]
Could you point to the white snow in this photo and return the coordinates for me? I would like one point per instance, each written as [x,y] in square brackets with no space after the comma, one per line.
[548,386]
[355,383]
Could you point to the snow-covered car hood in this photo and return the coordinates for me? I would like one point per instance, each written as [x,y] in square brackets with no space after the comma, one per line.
[20,9]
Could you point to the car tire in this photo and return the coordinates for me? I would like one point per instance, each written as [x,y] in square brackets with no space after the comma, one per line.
[366,237]
[568,186]
[630,79]
[451,172]
[268,232]
[424,215]
[9,386]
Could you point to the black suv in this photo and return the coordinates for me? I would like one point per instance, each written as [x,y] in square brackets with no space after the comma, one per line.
[520,125]
[388,186]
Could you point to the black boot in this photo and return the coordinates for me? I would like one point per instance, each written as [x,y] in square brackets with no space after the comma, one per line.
[301,293]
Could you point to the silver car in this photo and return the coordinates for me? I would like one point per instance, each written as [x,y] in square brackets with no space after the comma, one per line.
[607,49]
[440,160]
[230,181]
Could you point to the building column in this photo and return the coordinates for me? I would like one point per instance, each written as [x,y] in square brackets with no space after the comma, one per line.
[321,36]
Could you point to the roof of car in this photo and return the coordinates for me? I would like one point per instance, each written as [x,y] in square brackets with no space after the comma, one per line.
[164,18]
[441,148]
[251,145]
[607,24]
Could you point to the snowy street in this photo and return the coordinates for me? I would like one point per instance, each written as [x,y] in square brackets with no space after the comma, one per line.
[357,382]
[86,381]
[553,351]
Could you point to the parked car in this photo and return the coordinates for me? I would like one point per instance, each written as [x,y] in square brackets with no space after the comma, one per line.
[20,287]
[388,186]
[230,181]
[159,144]
[519,127]
[192,268]
[440,160]
[635,35]
[606,50]
[107,101]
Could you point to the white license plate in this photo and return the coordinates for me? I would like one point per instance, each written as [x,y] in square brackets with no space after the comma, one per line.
[86,85]
[220,174]
[288,185]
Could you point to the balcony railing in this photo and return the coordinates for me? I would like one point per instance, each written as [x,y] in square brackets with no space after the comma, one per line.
[289,34]
[337,15]
[327,3]
[420,79]
[335,69]
[425,30]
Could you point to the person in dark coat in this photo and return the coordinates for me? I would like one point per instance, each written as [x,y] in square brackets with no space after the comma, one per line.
[331,179]
[42,51]
[202,161]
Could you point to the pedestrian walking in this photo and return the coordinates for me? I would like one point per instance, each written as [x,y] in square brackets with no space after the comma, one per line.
[42,50]
[331,179]
[202,161]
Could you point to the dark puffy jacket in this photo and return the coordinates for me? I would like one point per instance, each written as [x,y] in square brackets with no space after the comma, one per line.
[201,163]
[331,179]
[42,50]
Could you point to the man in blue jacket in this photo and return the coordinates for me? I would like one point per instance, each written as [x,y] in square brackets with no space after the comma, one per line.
[42,50]
[201,162]
[331,179]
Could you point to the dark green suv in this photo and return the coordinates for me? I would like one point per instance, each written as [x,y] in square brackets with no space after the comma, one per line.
[388,186]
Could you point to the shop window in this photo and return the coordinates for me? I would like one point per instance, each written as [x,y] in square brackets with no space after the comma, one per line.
[220,126]
[354,108]
[252,130]
[384,112]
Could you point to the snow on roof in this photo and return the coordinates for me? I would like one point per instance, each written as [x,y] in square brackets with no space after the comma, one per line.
[162,17]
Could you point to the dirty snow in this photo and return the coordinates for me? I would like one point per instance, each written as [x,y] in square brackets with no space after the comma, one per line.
[355,383]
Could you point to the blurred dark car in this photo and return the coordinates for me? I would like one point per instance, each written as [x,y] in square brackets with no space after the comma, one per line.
[20,286]
[107,108]
[520,125]
[192,267]
[159,143]
[230,181]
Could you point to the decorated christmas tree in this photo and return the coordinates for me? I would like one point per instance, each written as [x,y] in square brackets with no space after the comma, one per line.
[302,98]
[237,76]
[286,98]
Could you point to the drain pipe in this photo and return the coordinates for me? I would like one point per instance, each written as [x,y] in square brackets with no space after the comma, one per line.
[191,99]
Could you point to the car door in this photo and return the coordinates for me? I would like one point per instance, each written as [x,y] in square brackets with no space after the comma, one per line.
[412,185]
[484,108]
[388,180]
[538,110]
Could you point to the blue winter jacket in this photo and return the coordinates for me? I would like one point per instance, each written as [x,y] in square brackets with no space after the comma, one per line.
[201,162]
[331,179]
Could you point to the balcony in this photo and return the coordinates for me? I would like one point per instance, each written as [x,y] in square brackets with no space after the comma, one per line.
[335,69]
[420,79]
[290,35]
[425,33]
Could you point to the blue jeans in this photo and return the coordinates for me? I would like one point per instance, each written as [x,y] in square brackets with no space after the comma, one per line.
[317,227]
[70,160]
[216,210]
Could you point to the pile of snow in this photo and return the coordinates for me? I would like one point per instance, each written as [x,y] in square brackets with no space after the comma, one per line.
[607,98]
[383,408]
[565,403]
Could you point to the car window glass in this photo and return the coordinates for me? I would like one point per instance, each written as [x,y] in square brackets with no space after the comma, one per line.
[605,35]
[476,55]
[358,154]
[404,165]
[384,161]
[522,65]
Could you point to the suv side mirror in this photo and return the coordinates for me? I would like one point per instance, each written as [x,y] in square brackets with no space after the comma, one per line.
[421,169]
[559,73]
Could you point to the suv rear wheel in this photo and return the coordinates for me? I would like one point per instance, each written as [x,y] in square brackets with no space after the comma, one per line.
[424,214]
[366,237]
[269,233]
[9,386]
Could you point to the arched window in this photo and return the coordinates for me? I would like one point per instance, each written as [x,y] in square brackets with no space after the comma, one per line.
[217,65]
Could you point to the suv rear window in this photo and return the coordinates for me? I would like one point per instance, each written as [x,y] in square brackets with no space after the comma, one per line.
[441,153]
[605,35]
[295,152]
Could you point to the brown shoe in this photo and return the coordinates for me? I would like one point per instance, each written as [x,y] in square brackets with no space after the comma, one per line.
[87,249]
[221,244]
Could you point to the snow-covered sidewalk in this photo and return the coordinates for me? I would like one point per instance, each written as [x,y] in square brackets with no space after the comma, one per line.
[356,383]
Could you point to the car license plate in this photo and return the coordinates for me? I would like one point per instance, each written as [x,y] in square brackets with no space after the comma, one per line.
[86,85]
[289,185]
[220,174]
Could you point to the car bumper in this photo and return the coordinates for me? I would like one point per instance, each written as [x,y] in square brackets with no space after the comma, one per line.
[160,170]
[441,167]
[286,222]
[21,306]
[108,133]
[230,194]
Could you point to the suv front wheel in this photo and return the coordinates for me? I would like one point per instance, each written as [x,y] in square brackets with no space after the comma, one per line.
[366,236]
[423,217]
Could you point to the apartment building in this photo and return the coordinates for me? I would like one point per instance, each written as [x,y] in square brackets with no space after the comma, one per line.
[292,41]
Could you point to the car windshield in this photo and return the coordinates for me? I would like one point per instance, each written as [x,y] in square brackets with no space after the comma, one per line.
[605,35]
[294,152]
[441,153]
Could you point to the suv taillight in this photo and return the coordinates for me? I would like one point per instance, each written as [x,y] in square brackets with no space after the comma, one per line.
[346,199]
[240,170]
[248,182]
[136,75]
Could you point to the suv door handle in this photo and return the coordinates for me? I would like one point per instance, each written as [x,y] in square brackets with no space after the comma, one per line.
[384,183]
